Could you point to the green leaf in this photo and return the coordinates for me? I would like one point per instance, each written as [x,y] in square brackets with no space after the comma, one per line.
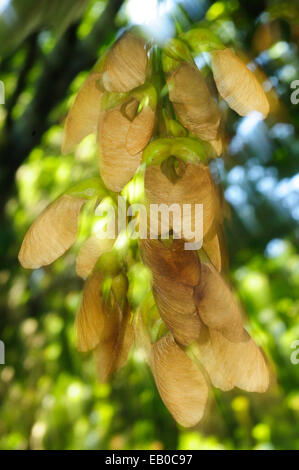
[168,63]
[177,50]
[202,40]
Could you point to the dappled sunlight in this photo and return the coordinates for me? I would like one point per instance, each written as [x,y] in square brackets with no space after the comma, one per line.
[50,395]
[154,16]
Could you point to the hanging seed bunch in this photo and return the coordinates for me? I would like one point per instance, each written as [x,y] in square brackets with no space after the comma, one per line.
[153,111]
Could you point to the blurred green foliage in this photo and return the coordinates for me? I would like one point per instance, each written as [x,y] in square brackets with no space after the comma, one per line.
[50,396]
[20,19]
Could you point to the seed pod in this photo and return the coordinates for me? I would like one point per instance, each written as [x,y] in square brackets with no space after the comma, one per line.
[121,143]
[140,131]
[83,116]
[89,254]
[90,320]
[116,341]
[276,107]
[52,233]
[175,271]
[104,325]
[195,186]
[215,247]
[181,385]
[193,103]
[125,67]
[238,364]
[217,146]
[216,305]
[177,309]
[173,262]
[237,84]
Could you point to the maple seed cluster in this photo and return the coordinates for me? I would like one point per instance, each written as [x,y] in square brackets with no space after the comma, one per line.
[154,111]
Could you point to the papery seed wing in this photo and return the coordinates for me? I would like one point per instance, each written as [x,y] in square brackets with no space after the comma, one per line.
[177,309]
[52,233]
[194,187]
[215,247]
[174,262]
[217,145]
[126,64]
[116,342]
[117,165]
[217,306]
[189,117]
[90,252]
[181,385]
[193,103]
[237,84]
[83,116]
[90,320]
[229,365]
[140,131]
